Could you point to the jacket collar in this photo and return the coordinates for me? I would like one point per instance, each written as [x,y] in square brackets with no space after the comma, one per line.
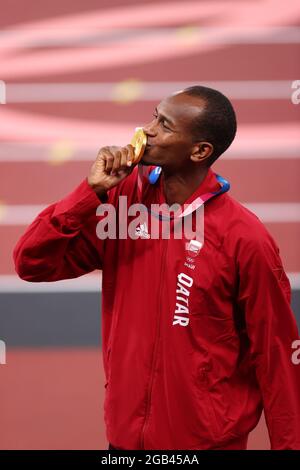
[209,188]
[149,193]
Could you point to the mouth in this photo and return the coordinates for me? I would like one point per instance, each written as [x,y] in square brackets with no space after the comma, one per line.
[147,154]
[148,147]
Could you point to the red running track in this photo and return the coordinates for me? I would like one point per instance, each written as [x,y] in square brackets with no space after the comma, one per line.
[53,399]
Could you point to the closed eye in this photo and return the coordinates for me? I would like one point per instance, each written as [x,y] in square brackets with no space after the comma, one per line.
[161,120]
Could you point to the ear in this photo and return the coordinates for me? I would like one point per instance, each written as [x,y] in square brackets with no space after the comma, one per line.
[201,152]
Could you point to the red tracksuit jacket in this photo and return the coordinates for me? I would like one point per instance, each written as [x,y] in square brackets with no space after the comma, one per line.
[196,383]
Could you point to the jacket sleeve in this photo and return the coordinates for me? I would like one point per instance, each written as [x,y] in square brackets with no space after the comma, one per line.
[61,243]
[264,296]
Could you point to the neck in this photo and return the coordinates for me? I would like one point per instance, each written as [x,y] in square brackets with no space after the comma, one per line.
[178,187]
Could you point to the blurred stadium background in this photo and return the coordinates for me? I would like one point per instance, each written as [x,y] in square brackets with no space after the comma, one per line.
[80,75]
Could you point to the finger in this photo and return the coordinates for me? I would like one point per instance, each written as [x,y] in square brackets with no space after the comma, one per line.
[116,164]
[130,155]
[100,161]
[124,158]
[109,160]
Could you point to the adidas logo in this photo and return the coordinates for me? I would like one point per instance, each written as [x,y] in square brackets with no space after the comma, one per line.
[142,231]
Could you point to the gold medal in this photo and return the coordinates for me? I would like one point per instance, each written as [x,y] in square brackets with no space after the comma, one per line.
[138,141]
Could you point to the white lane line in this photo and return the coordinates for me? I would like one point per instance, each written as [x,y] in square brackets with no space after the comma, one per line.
[142,91]
[13,215]
[19,214]
[294,278]
[78,152]
[91,37]
[276,212]
[89,283]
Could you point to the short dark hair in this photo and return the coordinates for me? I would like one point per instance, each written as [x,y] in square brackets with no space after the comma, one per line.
[217,124]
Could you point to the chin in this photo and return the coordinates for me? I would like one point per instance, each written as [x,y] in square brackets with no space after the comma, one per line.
[145,163]
[148,161]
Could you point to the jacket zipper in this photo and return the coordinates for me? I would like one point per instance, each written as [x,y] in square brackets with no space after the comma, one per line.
[148,404]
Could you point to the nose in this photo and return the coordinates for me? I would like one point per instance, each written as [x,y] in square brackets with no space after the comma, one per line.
[149,129]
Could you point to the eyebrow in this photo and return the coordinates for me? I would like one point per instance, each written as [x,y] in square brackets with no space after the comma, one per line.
[165,118]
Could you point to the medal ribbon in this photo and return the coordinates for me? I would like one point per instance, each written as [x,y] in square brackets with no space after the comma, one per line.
[153,178]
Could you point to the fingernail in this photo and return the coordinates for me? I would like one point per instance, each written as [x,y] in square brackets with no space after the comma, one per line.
[129,163]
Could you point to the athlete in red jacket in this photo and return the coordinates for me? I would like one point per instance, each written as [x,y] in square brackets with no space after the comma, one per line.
[197,336]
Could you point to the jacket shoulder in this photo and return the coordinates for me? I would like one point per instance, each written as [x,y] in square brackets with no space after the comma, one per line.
[244,228]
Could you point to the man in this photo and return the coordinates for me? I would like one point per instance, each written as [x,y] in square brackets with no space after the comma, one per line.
[197,337]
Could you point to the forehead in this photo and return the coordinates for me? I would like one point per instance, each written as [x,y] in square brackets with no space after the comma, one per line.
[180,108]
